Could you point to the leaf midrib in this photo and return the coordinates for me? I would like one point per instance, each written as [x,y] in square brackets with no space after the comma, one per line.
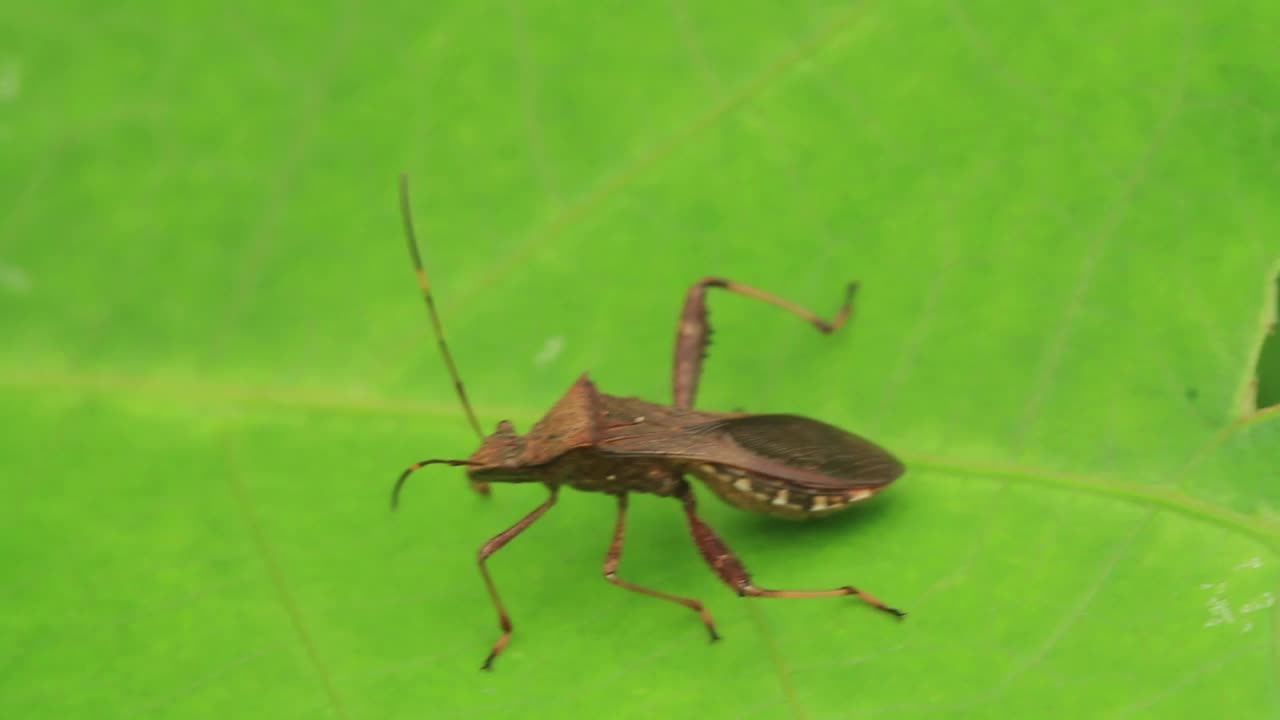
[200,394]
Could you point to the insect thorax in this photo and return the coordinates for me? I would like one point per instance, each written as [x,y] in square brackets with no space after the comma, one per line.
[587,469]
[765,494]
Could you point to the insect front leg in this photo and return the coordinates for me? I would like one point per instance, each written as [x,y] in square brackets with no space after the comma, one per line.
[494,545]
[694,332]
[614,558]
[731,570]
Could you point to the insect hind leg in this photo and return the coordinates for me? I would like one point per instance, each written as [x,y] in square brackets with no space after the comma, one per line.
[731,570]
[693,334]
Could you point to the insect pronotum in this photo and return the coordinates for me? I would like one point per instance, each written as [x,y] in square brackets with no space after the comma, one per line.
[784,465]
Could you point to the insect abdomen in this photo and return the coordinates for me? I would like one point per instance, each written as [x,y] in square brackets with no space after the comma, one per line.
[764,494]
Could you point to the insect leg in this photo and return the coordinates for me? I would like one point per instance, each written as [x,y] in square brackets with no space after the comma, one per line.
[735,575]
[494,545]
[614,558]
[694,332]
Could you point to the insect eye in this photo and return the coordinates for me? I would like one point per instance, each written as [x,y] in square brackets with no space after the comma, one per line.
[506,428]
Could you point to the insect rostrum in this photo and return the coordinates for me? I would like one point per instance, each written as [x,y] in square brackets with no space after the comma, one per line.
[784,465]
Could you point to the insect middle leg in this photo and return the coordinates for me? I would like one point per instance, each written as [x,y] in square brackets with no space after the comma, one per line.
[614,558]
[694,332]
[494,545]
[735,575]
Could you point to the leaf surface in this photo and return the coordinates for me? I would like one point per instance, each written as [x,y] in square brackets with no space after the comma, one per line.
[213,362]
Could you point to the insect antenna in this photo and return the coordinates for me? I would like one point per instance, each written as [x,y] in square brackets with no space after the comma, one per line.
[412,238]
[395,492]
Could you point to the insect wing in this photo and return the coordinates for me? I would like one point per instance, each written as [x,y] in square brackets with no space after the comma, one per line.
[818,455]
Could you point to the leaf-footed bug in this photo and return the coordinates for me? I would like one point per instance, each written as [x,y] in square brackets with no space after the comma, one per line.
[783,465]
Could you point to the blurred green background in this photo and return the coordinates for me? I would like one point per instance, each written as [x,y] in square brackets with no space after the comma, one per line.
[213,360]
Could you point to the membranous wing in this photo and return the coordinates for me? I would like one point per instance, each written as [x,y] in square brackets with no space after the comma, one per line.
[804,451]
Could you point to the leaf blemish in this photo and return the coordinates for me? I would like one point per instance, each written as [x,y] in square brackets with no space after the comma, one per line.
[14,279]
[551,350]
[1266,369]
[1222,612]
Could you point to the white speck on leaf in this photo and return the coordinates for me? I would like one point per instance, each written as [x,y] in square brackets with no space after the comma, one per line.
[10,80]
[14,279]
[1219,612]
[1262,602]
[551,350]
[1223,612]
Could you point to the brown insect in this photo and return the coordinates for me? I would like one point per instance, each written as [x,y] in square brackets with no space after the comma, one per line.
[783,465]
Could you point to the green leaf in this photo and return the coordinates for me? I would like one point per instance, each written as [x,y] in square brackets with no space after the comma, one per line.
[213,361]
